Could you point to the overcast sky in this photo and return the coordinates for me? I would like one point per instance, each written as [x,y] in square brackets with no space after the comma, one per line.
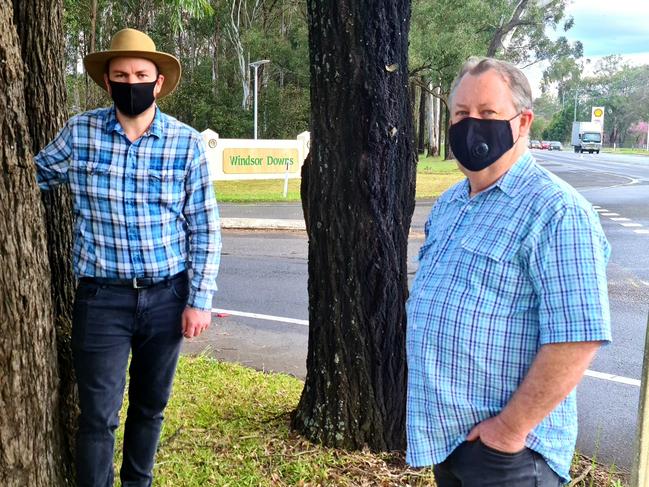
[610,26]
[604,27]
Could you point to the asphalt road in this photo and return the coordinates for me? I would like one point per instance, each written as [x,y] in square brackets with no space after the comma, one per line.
[619,184]
[266,273]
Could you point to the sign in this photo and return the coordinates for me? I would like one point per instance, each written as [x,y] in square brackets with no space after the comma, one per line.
[597,115]
[260,161]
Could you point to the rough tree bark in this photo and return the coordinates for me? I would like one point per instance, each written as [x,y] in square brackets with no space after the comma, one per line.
[358,199]
[30,433]
[40,28]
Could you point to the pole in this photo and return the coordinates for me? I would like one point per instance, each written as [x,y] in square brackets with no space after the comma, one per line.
[641,463]
[256,66]
[286,181]
[647,141]
[575,119]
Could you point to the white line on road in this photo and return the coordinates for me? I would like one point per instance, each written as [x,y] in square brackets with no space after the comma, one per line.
[644,231]
[621,219]
[258,316]
[600,210]
[282,319]
[631,224]
[613,378]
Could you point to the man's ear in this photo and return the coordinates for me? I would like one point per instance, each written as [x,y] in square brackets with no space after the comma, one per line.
[526,118]
[158,85]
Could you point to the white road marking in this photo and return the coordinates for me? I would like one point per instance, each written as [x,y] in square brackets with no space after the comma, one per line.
[613,378]
[282,319]
[621,219]
[258,316]
[600,210]
[629,225]
[644,231]
[596,207]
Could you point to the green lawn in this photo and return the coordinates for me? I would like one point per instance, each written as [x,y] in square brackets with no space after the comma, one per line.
[434,176]
[228,425]
[640,152]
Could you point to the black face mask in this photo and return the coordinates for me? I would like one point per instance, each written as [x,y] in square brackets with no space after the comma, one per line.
[477,143]
[132,98]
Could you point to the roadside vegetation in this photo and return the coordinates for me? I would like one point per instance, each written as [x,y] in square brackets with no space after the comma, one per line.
[228,425]
[434,176]
[625,151]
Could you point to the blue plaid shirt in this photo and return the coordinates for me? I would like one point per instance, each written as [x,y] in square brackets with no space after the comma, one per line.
[142,209]
[520,265]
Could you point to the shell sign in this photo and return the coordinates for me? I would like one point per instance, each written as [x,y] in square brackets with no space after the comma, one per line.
[597,115]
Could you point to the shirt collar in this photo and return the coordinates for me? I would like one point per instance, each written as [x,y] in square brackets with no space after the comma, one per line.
[517,177]
[156,128]
[509,183]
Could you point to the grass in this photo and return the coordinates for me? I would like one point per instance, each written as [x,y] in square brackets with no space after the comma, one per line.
[256,190]
[434,176]
[640,152]
[227,425]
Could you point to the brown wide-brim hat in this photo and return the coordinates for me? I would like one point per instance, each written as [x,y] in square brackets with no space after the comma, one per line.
[133,43]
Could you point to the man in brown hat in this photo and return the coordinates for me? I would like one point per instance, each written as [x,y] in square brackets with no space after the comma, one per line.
[145,214]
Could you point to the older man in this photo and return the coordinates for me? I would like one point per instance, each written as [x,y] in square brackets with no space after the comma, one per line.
[145,213]
[509,304]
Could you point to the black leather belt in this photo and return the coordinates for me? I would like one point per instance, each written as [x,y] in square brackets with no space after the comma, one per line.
[134,283]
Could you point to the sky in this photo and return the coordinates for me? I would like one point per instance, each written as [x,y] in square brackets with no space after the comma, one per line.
[604,27]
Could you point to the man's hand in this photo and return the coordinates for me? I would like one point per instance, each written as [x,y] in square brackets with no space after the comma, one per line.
[195,321]
[494,433]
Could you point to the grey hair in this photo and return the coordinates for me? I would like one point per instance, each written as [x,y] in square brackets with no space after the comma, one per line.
[514,77]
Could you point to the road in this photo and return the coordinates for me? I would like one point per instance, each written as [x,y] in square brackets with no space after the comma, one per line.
[266,273]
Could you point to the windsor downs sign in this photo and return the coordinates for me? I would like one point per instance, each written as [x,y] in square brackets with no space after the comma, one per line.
[260,161]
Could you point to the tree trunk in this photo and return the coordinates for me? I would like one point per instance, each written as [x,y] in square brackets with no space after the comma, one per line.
[30,432]
[421,129]
[358,199]
[444,124]
[40,29]
[433,120]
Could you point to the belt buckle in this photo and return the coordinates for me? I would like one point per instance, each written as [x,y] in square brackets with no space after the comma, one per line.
[135,286]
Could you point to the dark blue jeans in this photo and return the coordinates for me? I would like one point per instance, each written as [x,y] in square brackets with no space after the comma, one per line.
[473,464]
[109,322]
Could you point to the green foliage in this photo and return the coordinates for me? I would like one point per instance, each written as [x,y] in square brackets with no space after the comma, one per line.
[201,34]
[560,126]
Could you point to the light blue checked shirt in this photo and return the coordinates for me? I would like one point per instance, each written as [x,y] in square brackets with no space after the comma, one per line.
[141,209]
[520,265]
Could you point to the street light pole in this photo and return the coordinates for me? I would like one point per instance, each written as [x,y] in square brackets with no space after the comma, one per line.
[256,65]
[576,91]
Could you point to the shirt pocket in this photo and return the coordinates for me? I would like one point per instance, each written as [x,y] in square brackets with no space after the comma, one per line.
[497,245]
[489,263]
[166,187]
[95,182]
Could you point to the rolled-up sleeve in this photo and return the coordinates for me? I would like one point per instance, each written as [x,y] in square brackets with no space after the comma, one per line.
[52,162]
[568,269]
[202,216]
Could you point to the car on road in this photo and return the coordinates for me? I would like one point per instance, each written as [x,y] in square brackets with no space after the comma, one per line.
[555,145]
[545,144]
[535,144]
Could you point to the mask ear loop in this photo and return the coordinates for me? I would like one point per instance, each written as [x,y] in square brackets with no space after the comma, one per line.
[519,133]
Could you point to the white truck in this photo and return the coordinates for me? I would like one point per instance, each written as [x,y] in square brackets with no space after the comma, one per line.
[587,137]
